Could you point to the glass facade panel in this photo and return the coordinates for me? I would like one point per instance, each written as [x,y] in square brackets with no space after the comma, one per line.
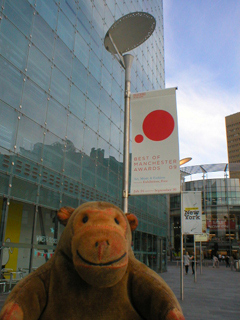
[83,25]
[93,90]
[92,115]
[79,75]
[81,50]
[20,13]
[105,102]
[52,154]
[69,7]
[8,126]
[60,87]
[34,102]
[49,198]
[77,102]
[106,80]
[43,36]
[39,68]
[15,46]
[75,132]
[29,139]
[4,182]
[11,84]
[63,57]
[95,67]
[104,126]
[22,189]
[65,30]
[49,11]
[72,163]
[57,119]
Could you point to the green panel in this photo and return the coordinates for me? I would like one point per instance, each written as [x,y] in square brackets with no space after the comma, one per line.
[23,190]
[4,183]
[49,198]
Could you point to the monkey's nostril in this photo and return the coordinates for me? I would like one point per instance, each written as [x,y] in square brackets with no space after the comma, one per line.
[107,242]
[96,244]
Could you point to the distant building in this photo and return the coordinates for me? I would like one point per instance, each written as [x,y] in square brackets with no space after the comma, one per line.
[233,142]
[220,208]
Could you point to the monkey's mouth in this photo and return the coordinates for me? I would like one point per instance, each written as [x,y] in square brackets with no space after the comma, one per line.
[101,264]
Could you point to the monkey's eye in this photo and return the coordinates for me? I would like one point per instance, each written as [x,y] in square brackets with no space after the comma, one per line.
[85,219]
[116,220]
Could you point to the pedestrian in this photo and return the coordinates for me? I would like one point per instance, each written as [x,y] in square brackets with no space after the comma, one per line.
[232,262]
[193,263]
[220,257]
[215,262]
[186,259]
[227,261]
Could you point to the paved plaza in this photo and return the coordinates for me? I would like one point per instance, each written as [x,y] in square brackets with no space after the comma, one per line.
[214,296]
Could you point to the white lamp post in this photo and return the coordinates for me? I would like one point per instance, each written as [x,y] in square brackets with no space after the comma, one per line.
[124,35]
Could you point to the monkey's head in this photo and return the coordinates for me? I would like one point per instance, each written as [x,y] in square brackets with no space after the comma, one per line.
[99,241]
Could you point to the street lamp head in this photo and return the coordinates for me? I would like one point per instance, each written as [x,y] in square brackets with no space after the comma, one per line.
[129,32]
[184,160]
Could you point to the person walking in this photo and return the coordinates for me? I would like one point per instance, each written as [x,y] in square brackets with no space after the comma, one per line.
[227,261]
[186,259]
[215,262]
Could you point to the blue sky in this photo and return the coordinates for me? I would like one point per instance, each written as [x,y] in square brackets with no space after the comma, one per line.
[202,59]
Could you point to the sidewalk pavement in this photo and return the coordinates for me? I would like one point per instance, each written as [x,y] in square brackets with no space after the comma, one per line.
[214,296]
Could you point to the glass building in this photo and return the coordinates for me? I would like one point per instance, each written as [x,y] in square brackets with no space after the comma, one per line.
[221,210]
[61,122]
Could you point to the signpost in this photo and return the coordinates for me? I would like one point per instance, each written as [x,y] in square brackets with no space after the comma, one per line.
[191,223]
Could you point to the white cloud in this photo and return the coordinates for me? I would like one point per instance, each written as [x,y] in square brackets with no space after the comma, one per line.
[202,107]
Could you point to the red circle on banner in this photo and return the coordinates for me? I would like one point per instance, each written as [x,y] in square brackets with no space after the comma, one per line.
[158,125]
[139,138]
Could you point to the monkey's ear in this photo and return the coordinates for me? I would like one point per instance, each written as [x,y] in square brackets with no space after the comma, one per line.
[133,221]
[64,214]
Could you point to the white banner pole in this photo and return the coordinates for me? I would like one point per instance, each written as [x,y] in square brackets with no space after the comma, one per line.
[201,256]
[181,268]
[195,262]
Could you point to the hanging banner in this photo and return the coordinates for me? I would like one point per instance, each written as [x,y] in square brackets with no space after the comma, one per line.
[192,212]
[205,235]
[155,150]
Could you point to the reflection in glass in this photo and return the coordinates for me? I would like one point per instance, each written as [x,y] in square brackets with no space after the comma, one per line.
[42,36]
[8,126]
[60,87]
[29,139]
[15,46]
[90,141]
[92,115]
[63,57]
[53,151]
[75,132]
[65,30]
[11,84]
[20,13]
[49,11]
[57,119]
[34,102]
[81,50]
[77,102]
[39,68]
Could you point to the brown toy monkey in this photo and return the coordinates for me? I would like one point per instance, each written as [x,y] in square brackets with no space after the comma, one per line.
[93,274]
